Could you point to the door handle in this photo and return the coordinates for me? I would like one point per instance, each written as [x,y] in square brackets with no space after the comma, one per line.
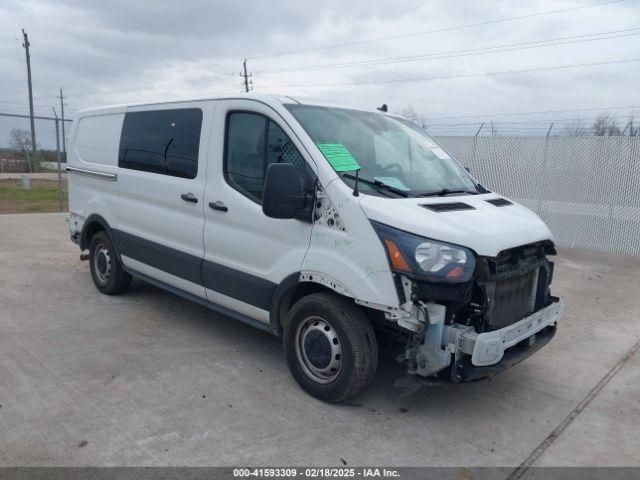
[218,206]
[189,197]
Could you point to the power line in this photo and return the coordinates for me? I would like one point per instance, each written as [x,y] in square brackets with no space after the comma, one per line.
[163,85]
[449,77]
[452,77]
[120,94]
[160,87]
[573,110]
[426,32]
[436,55]
[68,40]
[37,117]
[138,74]
[22,105]
[459,53]
[522,122]
[163,56]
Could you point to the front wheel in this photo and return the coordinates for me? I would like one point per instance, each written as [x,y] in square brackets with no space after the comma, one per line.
[330,347]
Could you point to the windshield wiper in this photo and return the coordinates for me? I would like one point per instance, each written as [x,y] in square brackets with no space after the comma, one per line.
[378,183]
[444,192]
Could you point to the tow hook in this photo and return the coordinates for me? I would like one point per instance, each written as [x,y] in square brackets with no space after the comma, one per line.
[84,256]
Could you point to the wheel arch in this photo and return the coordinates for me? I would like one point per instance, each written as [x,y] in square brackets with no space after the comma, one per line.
[93,224]
[292,289]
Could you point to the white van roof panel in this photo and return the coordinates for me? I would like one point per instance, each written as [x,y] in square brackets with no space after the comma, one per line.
[273,100]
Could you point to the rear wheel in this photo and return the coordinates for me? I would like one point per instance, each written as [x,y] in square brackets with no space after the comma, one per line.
[106,271]
[330,346]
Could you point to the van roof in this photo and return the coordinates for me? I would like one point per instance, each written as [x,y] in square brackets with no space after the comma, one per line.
[263,97]
[269,99]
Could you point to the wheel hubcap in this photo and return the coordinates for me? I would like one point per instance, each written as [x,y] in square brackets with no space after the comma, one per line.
[318,349]
[102,263]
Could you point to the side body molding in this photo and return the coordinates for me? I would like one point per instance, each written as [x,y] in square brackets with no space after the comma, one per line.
[255,291]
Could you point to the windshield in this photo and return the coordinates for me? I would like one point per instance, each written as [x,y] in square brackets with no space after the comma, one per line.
[391,152]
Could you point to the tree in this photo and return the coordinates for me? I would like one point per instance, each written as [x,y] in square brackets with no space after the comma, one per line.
[576,128]
[20,140]
[606,125]
[411,114]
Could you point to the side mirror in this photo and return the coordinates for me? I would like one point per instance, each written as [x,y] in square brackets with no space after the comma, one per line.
[282,195]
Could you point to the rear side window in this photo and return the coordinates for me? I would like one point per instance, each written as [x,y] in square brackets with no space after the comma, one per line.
[161,141]
[253,143]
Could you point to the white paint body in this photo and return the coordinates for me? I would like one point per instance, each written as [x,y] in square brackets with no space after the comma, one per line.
[354,261]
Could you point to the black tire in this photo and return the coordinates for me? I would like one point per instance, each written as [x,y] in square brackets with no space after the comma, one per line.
[106,271]
[305,344]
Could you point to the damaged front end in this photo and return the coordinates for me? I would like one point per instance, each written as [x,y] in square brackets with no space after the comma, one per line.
[467,330]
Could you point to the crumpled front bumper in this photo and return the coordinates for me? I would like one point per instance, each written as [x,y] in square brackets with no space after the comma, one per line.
[476,355]
[488,348]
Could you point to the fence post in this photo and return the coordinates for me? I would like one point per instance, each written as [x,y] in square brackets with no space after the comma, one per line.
[612,196]
[58,160]
[545,159]
[475,147]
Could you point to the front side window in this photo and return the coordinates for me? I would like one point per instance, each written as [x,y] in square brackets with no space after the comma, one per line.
[161,141]
[390,151]
[253,142]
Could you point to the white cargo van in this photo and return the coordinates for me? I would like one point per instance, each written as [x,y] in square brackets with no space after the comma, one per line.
[332,227]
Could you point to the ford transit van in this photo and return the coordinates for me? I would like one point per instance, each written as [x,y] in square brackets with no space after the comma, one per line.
[332,227]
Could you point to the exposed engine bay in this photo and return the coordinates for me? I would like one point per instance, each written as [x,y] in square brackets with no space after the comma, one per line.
[467,331]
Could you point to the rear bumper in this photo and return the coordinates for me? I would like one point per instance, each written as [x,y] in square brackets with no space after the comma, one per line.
[75,222]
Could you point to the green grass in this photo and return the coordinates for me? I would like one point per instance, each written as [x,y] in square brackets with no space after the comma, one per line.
[43,197]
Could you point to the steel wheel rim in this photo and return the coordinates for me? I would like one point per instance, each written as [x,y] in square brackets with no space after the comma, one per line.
[102,264]
[318,349]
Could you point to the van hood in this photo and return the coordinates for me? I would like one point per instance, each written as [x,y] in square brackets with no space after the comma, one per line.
[485,228]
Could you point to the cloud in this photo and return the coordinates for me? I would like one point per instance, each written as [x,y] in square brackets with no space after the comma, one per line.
[120,51]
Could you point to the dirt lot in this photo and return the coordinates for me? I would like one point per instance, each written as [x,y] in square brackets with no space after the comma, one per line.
[147,378]
[42,197]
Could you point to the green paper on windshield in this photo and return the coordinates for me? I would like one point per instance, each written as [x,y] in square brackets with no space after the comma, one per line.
[339,157]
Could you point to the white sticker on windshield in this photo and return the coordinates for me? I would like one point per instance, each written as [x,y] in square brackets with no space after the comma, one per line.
[440,153]
[392,182]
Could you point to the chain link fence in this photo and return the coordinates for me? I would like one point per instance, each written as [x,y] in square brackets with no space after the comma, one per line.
[39,163]
[17,154]
[586,188]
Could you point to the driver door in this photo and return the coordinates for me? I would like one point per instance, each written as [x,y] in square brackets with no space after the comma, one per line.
[247,254]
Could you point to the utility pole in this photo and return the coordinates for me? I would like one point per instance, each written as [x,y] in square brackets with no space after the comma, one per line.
[245,75]
[64,140]
[26,46]
[58,159]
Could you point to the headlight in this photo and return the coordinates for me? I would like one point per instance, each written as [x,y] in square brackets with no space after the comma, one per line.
[423,257]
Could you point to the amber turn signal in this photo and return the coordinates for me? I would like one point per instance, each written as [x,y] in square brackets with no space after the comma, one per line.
[397,260]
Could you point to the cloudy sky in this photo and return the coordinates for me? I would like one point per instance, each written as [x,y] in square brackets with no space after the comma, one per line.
[453,62]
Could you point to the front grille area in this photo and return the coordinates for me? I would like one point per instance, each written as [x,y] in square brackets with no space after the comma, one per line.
[513,299]
[515,284]
[505,289]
